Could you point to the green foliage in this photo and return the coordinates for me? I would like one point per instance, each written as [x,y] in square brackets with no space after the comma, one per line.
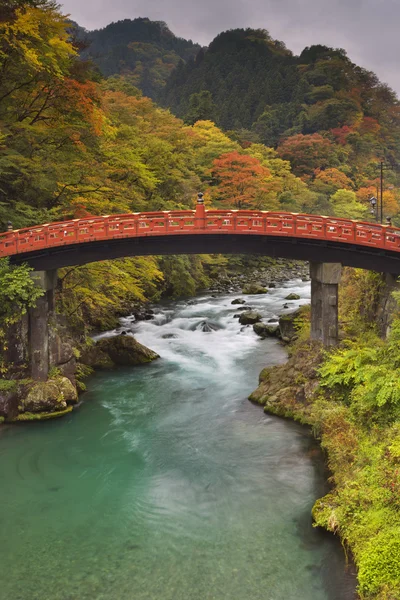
[93,295]
[147,51]
[18,291]
[183,275]
[201,108]
[345,205]
[380,563]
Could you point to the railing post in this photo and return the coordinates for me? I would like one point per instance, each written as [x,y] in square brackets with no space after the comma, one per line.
[200,216]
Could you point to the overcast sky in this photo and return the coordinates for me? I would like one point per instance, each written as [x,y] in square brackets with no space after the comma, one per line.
[367,29]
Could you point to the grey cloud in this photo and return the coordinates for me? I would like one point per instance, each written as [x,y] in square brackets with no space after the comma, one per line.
[367,29]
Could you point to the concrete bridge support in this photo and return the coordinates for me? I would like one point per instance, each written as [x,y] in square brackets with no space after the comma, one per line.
[39,324]
[325,278]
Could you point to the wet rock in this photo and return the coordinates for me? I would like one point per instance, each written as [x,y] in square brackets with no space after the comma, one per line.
[272,321]
[254,288]
[238,301]
[264,330]
[249,318]
[272,285]
[95,357]
[125,350]
[49,396]
[292,296]
[9,401]
[287,325]
[169,336]
[143,314]
[206,326]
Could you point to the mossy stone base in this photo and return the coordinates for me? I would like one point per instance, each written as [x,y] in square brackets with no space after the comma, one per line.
[40,416]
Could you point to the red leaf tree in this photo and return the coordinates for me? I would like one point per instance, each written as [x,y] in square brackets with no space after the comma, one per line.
[241,180]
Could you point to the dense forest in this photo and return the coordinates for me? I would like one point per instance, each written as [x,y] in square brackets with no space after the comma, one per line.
[144,51]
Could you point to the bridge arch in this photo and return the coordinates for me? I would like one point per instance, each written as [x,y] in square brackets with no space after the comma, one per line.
[286,235]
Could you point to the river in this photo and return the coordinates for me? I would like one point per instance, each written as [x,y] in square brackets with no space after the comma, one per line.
[167,484]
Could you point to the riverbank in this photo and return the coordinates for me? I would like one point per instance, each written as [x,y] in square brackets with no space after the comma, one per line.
[363,456]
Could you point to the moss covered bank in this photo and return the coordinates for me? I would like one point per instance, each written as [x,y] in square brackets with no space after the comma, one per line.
[362,445]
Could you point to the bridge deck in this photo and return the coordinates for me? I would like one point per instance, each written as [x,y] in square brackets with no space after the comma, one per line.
[191,224]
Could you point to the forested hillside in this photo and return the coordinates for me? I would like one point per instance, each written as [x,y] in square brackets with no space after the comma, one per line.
[144,51]
[332,120]
[319,110]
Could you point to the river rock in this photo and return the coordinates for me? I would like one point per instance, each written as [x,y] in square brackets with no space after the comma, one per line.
[125,350]
[49,396]
[9,401]
[208,327]
[249,318]
[95,357]
[238,301]
[264,330]
[254,288]
[292,296]
[287,325]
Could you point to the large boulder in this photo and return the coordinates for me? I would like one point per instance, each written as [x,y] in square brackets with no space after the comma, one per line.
[254,288]
[287,325]
[9,400]
[249,318]
[264,330]
[292,296]
[125,350]
[95,357]
[49,396]
[238,301]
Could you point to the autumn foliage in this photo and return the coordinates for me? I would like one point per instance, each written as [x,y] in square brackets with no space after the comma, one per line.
[241,180]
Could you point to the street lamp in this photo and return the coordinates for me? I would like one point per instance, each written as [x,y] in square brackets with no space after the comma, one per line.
[373,202]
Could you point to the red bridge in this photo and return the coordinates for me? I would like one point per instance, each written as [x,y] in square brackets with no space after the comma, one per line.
[296,236]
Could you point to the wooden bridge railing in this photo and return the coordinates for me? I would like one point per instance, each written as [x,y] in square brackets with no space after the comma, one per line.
[246,222]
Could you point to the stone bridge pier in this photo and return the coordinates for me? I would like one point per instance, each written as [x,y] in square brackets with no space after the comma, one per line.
[325,279]
[38,328]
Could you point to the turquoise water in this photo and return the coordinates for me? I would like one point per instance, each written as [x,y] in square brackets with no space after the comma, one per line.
[167,483]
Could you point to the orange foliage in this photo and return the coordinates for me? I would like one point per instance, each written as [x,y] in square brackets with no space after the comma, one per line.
[341,134]
[334,178]
[305,151]
[241,178]
[369,125]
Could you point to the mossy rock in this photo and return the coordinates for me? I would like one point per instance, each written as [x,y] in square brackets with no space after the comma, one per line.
[2,419]
[124,350]
[264,330]
[40,416]
[249,318]
[238,301]
[49,396]
[254,288]
[95,357]
[292,296]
